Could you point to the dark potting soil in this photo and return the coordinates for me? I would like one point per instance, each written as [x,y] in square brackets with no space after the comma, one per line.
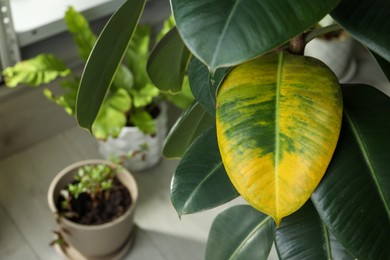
[108,208]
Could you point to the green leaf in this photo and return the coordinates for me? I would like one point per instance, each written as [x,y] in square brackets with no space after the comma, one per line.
[353,199]
[182,99]
[79,27]
[36,71]
[167,26]
[224,33]
[143,96]
[144,121]
[137,56]
[104,60]
[240,232]
[303,235]
[193,122]
[203,85]
[124,78]
[367,21]
[112,116]
[200,181]
[168,62]
[68,98]
[385,65]
[278,121]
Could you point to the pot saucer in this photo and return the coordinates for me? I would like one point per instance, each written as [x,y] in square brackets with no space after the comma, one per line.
[72,253]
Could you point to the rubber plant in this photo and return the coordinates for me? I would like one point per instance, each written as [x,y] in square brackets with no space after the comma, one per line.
[310,156]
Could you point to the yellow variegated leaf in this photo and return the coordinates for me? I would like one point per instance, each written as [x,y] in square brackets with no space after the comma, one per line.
[278,122]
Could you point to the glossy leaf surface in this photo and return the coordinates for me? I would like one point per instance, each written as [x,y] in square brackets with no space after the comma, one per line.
[168,62]
[278,121]
[385,65]
[303,235]
[200,181]
[224,33]
[240,232]
[353,199]
[104,60]
[368,21]
[203,85]
[193,122]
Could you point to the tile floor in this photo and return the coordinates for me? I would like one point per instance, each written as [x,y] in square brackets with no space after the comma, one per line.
[26,224]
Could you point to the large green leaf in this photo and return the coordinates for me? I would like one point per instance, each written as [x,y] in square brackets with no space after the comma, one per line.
[303,235]
[78,26]
[168,62]
[204,85]
[224,33]
[240,232]
[385,65]
[36,71]
[104,60]
[278,121]
[353,199]
[368,21]
[200,181]
[193,122]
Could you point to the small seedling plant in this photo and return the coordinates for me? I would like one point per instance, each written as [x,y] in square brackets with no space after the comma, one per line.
[88,197]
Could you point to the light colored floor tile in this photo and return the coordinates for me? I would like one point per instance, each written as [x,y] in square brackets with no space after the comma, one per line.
[13,246]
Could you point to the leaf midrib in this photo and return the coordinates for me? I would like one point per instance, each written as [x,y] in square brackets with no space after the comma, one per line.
[327,241]
[277,131]
[193,193]
[367,159]
[251,234]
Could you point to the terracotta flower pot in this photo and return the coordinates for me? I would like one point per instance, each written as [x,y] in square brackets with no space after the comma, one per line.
[105,241]
[146,149]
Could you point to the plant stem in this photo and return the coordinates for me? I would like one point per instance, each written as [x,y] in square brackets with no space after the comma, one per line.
[297,45]
[321,31]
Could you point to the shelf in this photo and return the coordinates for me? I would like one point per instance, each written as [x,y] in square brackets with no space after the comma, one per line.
[46,19]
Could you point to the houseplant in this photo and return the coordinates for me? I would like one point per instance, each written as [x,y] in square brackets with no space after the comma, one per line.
[94,203]
[131,124]
[330,197]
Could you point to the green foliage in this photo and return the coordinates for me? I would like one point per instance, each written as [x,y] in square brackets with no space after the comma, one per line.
[34,72]
[96,181]
[92,179]
[131,88]
[78,26]
[351,203]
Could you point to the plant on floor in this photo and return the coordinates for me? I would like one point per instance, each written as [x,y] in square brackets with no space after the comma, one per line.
[93,202]
[310,157]
[132,100]
[91,189]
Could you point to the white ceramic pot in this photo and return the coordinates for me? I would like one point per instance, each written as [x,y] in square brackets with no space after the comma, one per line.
[106,241]
[336,54]
[141,151]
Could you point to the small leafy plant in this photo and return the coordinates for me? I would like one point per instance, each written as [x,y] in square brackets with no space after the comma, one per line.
[87,199]
[132,100]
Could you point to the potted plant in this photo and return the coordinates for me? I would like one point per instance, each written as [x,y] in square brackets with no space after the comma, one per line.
[132,122]
[94,203]
[311,157]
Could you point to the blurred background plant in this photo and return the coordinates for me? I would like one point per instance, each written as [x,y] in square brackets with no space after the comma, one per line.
[131,101]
